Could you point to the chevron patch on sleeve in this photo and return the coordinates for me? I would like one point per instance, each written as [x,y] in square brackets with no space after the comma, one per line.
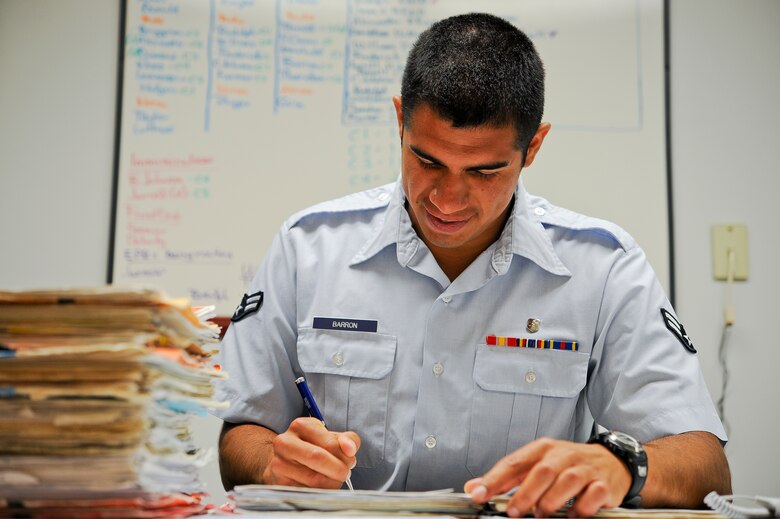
[678,330]
[249,304]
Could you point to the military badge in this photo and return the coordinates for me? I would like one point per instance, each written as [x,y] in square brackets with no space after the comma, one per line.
[678,330]
[249,304]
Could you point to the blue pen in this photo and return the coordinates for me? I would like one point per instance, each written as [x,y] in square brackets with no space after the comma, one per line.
[311,406]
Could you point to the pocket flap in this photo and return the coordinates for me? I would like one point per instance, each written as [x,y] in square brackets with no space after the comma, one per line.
[351,354]
[532,371]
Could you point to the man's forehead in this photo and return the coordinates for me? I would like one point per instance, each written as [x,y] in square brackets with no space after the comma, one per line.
[430,111]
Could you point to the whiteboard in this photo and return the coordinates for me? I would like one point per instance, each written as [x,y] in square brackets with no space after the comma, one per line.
[237,113]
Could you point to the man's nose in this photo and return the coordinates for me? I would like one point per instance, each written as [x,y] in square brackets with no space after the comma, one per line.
[450,193]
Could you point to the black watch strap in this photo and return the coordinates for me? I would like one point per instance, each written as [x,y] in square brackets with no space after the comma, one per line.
[632,454]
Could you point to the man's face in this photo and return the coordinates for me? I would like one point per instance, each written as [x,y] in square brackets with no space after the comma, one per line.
[458,181]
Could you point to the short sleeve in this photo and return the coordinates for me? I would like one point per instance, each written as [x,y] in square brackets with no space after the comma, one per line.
[643,380]
[258,351]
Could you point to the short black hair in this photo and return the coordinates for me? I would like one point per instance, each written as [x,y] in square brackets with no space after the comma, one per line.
[476,69]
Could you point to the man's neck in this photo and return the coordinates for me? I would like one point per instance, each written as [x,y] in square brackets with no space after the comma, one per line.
[453,261]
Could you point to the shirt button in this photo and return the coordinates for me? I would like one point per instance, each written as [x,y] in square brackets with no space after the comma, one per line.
[438,369]
[446,299]
[530,377]
[539,211]
[338,359]
[381,197]
[430,442]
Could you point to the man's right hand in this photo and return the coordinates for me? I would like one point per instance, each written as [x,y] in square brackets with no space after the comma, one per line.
[308,455]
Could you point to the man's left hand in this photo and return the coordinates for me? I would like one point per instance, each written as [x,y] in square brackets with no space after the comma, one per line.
[547,473]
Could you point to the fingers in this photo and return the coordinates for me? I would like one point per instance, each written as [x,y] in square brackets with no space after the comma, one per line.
[547,489]
[549,473]
[594,497]
[471,485]
[343,446]
[291,473]
[509,472]
[309,455]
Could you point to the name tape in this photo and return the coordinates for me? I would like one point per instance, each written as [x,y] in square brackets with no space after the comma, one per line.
[347,325]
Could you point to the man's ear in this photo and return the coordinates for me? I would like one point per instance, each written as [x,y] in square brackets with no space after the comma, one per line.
[399,115]
[536,143]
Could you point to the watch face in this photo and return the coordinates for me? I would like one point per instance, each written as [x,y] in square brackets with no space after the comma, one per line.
[626,441]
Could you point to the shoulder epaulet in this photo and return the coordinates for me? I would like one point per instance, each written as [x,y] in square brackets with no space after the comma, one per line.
[370,199]
[560,217]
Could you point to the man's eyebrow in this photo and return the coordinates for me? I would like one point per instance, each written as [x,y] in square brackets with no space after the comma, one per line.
[423,155]
[479,167]
[488,167]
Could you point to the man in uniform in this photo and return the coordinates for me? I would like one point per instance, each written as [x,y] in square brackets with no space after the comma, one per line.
[457,331]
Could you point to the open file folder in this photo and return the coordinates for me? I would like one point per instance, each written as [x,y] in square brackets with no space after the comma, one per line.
[445,502]
[282,498]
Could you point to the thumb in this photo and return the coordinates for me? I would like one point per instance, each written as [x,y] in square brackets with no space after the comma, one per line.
[349,443]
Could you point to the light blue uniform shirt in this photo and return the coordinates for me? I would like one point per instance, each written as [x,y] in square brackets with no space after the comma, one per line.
[435,405]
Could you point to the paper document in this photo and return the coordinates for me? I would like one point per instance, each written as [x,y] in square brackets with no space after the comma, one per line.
[265,498]
[281,498]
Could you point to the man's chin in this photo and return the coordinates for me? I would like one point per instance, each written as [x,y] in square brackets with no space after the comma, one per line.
[443,241]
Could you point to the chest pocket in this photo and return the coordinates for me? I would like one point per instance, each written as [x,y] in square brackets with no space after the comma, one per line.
[510,385]
[348,373]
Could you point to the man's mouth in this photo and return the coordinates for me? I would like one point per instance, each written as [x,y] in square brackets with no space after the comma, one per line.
[446,224]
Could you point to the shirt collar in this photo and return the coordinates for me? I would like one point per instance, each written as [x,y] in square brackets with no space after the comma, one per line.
[395,228]
[523,235]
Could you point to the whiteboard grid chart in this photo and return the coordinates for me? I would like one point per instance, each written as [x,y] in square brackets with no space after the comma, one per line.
[235,114]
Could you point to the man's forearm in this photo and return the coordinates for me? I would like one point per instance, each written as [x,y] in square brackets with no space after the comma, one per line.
[683,468]
[244,452]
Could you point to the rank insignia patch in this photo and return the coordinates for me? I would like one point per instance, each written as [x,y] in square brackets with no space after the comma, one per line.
[678,330]
[249,304]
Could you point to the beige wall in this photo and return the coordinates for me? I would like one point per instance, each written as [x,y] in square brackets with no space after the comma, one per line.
[725,75]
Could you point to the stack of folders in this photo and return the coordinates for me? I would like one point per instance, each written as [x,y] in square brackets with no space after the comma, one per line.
[97,391]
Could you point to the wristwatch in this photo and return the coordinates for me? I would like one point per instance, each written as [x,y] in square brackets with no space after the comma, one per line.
[630,452]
